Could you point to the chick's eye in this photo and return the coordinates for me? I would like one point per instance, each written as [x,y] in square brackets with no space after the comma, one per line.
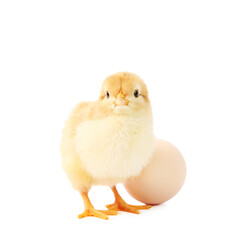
[136,93]
[107,94]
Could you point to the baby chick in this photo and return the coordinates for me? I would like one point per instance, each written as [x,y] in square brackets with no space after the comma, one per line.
[109,141]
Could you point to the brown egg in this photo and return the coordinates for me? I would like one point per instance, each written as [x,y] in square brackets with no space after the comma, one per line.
[162,178]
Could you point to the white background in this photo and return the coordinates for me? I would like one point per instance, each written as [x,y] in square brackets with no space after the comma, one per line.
[54,54]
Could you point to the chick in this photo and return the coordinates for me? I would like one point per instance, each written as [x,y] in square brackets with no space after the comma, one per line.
[109,141]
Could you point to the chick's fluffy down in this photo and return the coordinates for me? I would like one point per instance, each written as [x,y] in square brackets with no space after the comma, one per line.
[101,146]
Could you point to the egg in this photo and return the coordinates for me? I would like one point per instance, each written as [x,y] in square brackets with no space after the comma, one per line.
[162,178]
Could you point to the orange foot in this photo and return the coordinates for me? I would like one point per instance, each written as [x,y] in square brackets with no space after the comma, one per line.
[121,205]
[90,211]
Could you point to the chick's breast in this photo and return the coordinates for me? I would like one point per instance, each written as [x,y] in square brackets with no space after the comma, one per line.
[114,148]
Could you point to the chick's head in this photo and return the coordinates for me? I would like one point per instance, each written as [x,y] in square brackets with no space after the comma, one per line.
[123,93]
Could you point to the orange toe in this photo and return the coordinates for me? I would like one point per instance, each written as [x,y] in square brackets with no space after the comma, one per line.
[91,212]
[109,212]
[141,207]
[123,206]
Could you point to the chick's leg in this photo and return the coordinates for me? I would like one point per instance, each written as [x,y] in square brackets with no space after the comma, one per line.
[91,211]
[121,205]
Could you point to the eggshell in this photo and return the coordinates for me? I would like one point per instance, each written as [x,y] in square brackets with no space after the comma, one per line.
[162,178]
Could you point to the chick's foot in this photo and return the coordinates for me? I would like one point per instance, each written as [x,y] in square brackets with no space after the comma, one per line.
[121,205]
[92,212]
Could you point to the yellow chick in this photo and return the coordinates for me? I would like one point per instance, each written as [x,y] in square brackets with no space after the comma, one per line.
[109,141]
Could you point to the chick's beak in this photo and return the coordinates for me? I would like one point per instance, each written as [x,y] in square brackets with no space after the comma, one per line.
[120,99]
